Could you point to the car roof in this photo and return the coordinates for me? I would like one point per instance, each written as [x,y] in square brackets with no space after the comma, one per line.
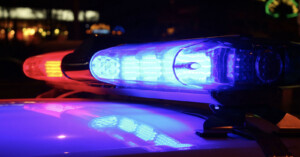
[106,128]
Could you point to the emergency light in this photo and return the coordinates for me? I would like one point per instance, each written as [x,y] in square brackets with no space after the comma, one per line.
[198,69]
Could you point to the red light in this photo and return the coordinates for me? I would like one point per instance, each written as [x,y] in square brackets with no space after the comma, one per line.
[46,66]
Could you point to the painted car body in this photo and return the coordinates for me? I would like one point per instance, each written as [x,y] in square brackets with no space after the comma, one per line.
[105,128]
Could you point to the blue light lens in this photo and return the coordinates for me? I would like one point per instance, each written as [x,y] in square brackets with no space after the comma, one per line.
[185,64]
[193,68]
[107,67]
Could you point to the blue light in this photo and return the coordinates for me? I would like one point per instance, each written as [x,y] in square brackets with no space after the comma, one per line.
[145,132]
[101,31]
[119,28]
[164,140]
[193,68]
[230,66]
[103,122]
[130,68]
[150,68]
[186,64]
[127,125]
[105,66]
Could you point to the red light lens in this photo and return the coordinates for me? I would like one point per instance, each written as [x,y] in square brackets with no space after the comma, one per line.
[46,66]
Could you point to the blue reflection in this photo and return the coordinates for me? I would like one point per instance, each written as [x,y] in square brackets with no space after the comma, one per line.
[164,140]
[136,129]
[146,133]
[127,125]
[102,122]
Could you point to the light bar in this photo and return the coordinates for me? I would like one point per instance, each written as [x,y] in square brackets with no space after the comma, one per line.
[45,66]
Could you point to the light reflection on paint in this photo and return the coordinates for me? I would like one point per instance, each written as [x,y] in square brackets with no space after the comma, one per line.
[145,133]
[52,109]
[127,125]
[102,122]
[119,137]
[61,136]
[59,107]
[140,130]
[164,140]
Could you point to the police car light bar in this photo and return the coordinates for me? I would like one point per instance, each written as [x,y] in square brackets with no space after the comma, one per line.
[202,70]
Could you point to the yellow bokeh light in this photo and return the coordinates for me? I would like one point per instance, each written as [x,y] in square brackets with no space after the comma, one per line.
[56,31]
[28,31]
[66,32]
[170,30]
[41,30]
[12,32]
[44,34]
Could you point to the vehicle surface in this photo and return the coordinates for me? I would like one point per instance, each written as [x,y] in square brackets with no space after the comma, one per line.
[111,128]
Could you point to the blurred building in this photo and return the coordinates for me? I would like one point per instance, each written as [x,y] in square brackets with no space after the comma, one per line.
[31,21]
[148,20]
[29,24]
